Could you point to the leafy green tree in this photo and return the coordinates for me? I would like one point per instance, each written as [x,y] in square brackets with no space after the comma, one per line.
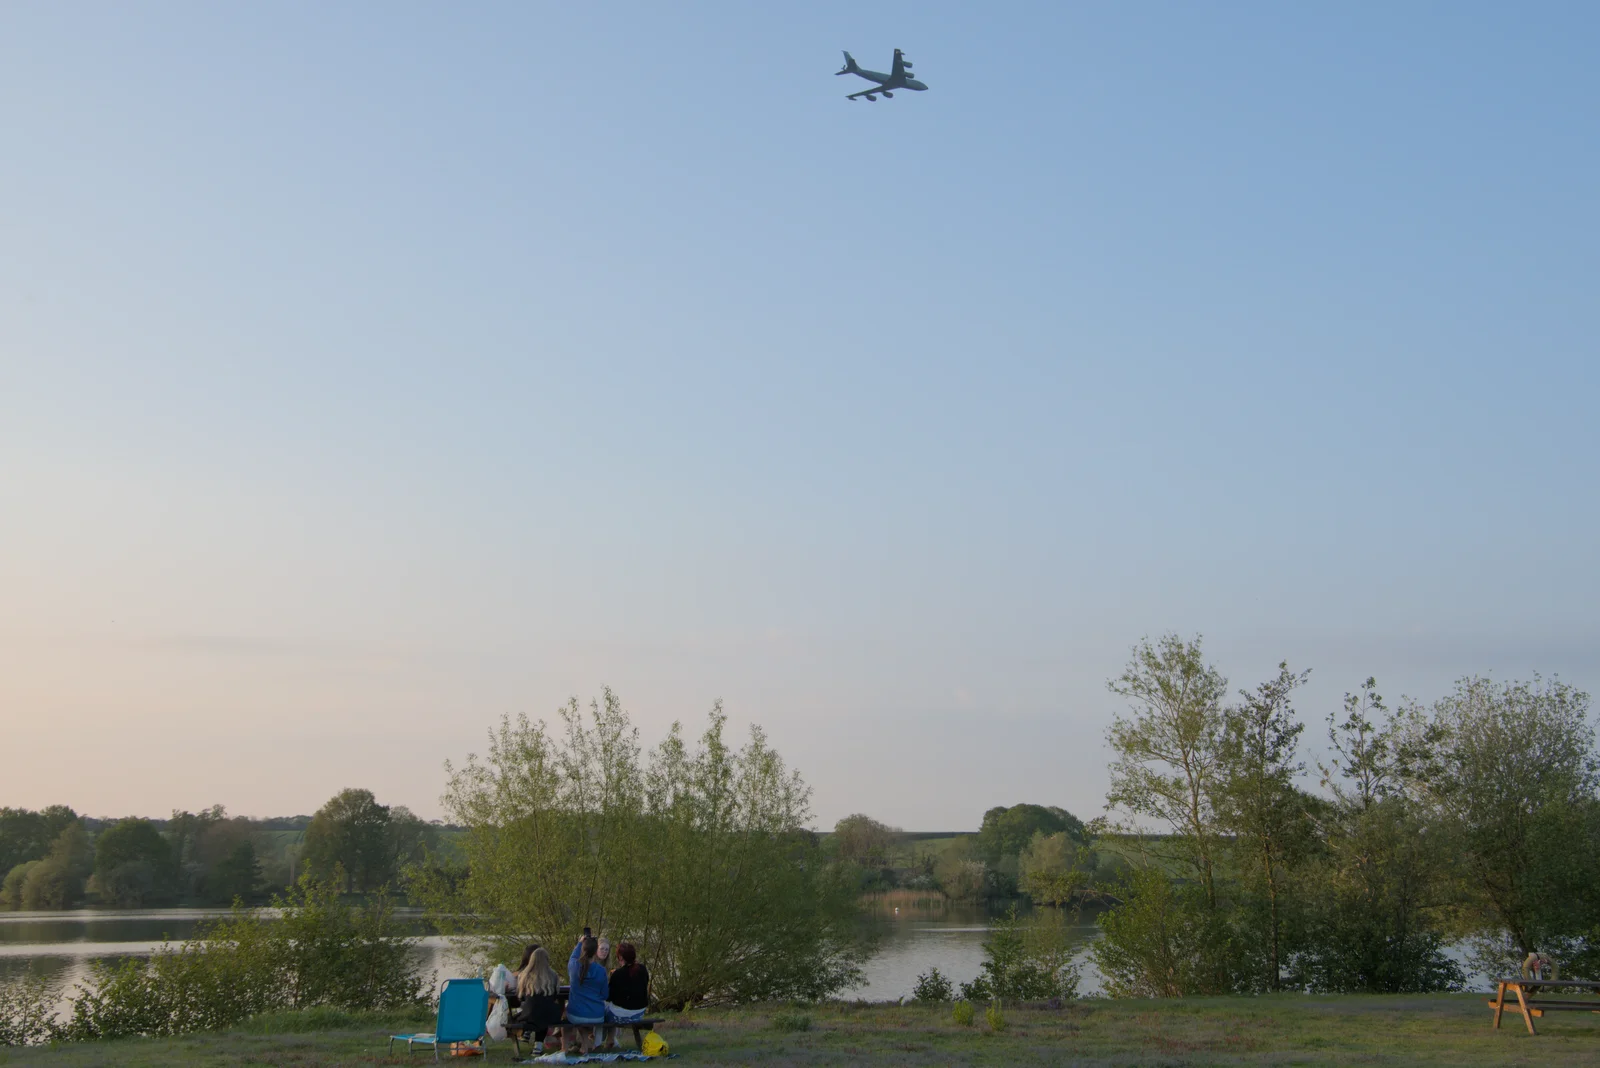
[1375,902]
[1259,803]
[1057,869]
[352,833]
[215,869]
[1510,770]
[961,874]
[133,864]
[1378,895]
[57,881]
[1163,939]
[236,877]
[11,887]
[27,835]
[862,840]
[697,854]
[1006,832]
[1168,751]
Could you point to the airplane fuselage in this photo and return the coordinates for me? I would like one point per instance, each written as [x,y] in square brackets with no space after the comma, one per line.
[888,81]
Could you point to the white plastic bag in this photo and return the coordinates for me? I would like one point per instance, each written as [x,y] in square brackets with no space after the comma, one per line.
[499,979]
[496,1025]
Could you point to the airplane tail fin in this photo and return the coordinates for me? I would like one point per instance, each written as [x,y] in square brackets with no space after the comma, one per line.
[849,65]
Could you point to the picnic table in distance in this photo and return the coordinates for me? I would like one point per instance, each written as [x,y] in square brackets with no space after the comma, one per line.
[1531,999]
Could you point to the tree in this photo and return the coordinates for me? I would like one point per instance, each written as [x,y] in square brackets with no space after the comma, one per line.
[57,881]
[1377,895]
[1006,832]
[863,840]
[1258,801]
[184,833]
[698,854]
[1057,869]
[352,832]
[27,835]
[236,877]
[133,864]
[1167,752]
[11,887]
[1511,770]
[1163,939]
[961,874]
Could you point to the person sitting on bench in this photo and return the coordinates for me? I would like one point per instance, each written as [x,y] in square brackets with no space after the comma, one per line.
[538,1009]
[630,991]
[586,999]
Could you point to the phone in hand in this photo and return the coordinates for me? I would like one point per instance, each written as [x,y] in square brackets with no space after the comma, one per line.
[586,933]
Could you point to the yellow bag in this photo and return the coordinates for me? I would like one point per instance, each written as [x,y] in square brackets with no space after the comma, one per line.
[653,1045]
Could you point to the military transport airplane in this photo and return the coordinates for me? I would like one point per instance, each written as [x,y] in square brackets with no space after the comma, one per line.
[898,78]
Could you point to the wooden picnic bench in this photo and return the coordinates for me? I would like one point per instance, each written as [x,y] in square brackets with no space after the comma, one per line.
[1533,1001]
[639,1028]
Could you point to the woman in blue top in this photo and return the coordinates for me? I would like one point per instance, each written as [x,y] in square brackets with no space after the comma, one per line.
[586,1001]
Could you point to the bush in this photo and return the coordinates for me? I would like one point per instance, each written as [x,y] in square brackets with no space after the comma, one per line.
[1026,961]
[321,952]
[933,986]
[994,1017]
[791,1021]
[27,1012]
[1163,941]
[963,1013]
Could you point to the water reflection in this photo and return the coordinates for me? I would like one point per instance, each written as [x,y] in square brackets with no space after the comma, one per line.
[914,938]
[60,945]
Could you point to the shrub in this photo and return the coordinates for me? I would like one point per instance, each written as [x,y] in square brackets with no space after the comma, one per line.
[994,1017]
[1026,961]
[963,1013]
[27,1012]
[933,986]
[321,952]
[791,1021]
[1164,941]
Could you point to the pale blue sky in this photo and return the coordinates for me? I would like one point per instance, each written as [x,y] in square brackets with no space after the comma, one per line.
[368,371]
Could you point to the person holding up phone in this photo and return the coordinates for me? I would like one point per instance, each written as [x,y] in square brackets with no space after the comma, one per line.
[586,999]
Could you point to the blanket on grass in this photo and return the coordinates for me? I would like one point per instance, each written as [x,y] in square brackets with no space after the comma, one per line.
[559,1057]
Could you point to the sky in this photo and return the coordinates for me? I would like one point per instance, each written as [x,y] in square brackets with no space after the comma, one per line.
[370,372]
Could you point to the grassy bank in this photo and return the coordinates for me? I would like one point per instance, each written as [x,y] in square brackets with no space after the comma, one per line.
[1283,1030]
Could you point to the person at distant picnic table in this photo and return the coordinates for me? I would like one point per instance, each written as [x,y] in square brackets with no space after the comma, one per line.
[537,986]
[630,991]
[586,998]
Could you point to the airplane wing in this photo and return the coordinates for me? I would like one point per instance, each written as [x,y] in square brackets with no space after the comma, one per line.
[873,93]
[900,65]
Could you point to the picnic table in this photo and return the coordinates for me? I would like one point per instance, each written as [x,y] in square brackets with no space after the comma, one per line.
[1535,997]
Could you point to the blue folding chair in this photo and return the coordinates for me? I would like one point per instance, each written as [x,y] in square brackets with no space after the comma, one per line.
[463,1017]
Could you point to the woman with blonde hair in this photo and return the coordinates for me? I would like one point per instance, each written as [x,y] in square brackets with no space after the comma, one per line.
[537,985]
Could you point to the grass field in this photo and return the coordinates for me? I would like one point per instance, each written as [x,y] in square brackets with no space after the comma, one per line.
[1282,1030]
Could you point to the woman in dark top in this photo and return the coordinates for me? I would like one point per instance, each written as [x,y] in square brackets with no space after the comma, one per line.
[630,991]
[539,1010]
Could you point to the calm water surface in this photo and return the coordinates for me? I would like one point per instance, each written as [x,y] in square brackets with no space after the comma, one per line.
[60,945]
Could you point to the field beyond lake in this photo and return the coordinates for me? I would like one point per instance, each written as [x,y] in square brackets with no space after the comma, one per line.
[1441,1029]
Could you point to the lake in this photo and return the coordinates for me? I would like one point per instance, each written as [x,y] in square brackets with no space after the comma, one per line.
[60,945]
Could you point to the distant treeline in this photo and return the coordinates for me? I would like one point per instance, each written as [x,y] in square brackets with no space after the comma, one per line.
[55,858]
